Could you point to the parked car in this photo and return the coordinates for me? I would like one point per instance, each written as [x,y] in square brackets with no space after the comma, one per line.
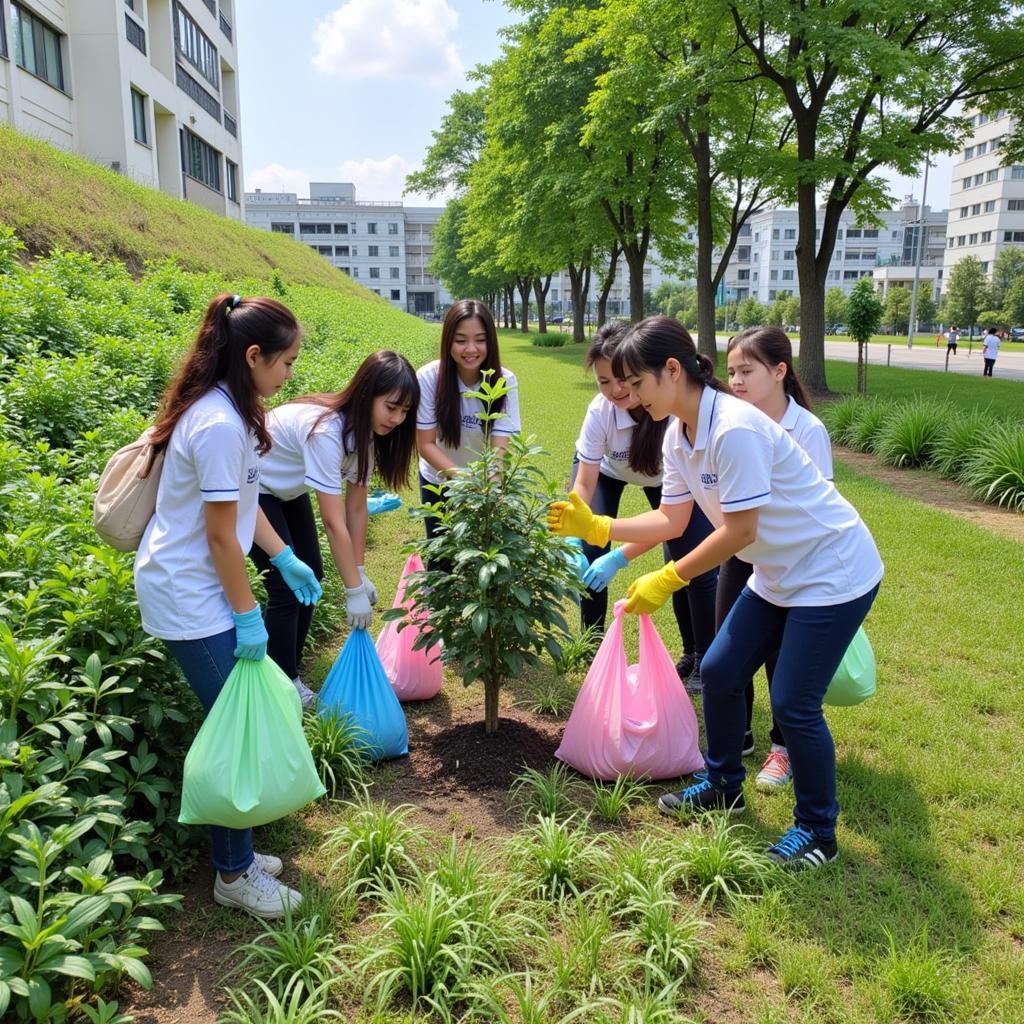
[1017,334]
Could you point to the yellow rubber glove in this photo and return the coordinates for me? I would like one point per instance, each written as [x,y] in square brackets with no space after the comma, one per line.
[573,518]
[649,592]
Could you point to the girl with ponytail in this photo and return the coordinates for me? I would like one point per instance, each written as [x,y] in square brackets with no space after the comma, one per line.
[190,570]
[816,572]
[760,362]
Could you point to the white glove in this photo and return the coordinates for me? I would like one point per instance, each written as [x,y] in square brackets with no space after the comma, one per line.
[371,590]
[358,607]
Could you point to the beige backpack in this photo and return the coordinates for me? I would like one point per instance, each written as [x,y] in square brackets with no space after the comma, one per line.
[126,494]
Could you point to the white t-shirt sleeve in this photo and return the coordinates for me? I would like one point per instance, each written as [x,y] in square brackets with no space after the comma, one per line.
[743,462]
[323,457]
[592,443]
[674,488]
[816,442]
[509,423]
[218,454]
[426,414]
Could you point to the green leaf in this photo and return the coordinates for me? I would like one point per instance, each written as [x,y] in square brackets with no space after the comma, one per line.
[40,997]
[479,622]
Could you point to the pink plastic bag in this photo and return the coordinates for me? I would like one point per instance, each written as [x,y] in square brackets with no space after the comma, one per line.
[414,675]
[631,720]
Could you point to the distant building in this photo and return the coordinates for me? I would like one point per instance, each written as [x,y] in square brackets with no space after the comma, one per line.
[385,245]
[986,200]
[146,87]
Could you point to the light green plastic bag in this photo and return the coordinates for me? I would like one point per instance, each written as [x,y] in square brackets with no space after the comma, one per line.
[250,762]
[854,680]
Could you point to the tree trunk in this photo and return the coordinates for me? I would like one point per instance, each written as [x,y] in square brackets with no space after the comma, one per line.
[607,282]
[862,374]
[540,292]
[492,687]
[523,284]
[701,150]
[812,290]
[510,306]
[635,259]
[579,280]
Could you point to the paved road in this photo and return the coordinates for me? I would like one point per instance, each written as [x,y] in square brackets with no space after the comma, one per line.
[923,356]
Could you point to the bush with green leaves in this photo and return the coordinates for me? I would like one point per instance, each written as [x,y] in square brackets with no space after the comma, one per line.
[496,578]
[909,435]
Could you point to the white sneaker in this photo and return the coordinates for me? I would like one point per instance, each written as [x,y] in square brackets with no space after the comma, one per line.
[255,892]
[269,863]
[776,771]
[307,697]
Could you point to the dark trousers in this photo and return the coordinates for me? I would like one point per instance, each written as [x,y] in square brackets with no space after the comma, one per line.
[811,641]
[951,346]
[989,363]
[286,620]
[430,524]
[694,606]
[732,578]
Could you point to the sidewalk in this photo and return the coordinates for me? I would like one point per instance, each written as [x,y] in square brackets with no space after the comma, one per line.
[923,356]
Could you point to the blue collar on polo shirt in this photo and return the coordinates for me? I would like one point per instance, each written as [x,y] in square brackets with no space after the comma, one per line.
[705,414]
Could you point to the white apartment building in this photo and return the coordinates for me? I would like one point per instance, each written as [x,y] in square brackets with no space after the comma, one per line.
[146,87]
[986,200]
[384,245]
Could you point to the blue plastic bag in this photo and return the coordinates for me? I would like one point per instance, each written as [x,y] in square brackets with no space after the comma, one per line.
[358,686]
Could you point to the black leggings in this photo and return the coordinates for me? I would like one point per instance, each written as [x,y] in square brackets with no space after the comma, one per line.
[731,580]
[694,606]
[286,620]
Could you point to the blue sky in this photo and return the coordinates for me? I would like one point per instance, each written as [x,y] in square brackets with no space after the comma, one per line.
[350,90]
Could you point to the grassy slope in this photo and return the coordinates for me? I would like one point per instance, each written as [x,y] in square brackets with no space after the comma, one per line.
[931,828]
[55,199]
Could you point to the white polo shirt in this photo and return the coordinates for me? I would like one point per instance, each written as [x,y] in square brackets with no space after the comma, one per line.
[811,434]
[471,438]
[811,546]
[211,456]
[605,440]
[305,456]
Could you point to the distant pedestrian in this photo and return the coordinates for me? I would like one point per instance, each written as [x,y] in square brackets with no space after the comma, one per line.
[952,337]
[989,350]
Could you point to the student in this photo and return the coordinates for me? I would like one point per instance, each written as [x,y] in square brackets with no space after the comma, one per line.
[319,442]
[449,434]
[619,444]
[760,361]
[952,337]
[990,350]
[190,572]
[816,571]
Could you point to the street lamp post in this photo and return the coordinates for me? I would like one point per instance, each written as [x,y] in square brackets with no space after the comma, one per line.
[922,235]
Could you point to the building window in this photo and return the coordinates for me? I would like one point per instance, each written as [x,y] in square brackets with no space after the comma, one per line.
[341,250]
[392,250]
[960,239]
[195,46]
[201,161]
[395,273]
[972,239]
[231,174]
[968,152]
[371,228]
[975,209]
[396,294]
[979,178]
[966,183]
[1013,236]
[1017,172]
[139,117]
[743,275]
[850,275]
[325,250]
[986,236]
[37,48]
[373,250]
[3,31]
[392,228]
[787,275]
[315,229]
[374,272]
[355,270]
[964,210]
[790,233]
[853,233]
[341,229]
[283,228]
[787,254]
[345,270]
[950,242]
[1015,204]
[774,275]
[775,234]
[992,175]
[990,206]
[135,33]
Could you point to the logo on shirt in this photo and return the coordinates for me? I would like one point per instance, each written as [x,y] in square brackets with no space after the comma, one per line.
[254,474]
[709,480]
[471,422]
[622,456]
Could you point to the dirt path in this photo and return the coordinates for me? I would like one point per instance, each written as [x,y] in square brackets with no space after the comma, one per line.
[922,485]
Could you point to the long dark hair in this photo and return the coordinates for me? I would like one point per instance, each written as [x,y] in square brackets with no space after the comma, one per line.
[645,447]
[649,344]
[447,403]
[770,346]
[382,373]
[230,327]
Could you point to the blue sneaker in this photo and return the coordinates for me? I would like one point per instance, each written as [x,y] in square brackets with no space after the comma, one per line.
[701,797]
[799,850]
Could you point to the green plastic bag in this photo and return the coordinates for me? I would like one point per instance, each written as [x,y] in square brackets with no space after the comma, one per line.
[854,680]
[250,762]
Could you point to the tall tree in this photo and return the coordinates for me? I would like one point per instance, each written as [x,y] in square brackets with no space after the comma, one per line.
[864,312]
[967,294]
[897,310]
[870,86]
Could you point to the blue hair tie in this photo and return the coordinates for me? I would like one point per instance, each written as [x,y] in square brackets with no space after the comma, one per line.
[233,303]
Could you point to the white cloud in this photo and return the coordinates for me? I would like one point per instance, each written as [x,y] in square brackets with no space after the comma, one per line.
[277,178]
[389,39]
[378,179]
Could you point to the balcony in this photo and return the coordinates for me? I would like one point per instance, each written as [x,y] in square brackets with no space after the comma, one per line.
[230,124]
[191,87]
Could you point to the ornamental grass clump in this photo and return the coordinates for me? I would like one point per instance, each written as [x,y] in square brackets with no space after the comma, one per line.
[496,578]
[338,746]
[548,795]
[839,418]
[962,433]
[994,472]
[866,425]
[556,858]
[721,865]
[908,435]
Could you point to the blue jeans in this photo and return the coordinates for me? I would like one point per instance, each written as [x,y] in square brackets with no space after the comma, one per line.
[811,641]
[207,663]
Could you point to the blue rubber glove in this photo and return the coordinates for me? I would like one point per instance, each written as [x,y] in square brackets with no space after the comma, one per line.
[250,635]
[382,501]
[298,576]
[575,556]
[602,570]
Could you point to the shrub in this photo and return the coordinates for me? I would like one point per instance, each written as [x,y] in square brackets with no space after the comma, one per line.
[909,434]
[548,795]
[339,748]
[994,472]
[550,340]
[839,417]
[961,434]
[867,423]
[556,857]
[721,865]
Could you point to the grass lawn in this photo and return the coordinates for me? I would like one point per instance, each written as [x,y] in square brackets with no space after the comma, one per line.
[922,918]
[927,340]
